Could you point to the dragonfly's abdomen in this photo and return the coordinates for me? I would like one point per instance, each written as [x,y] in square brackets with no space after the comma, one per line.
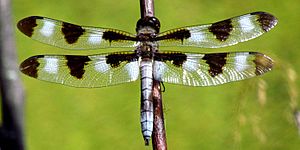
[146,100]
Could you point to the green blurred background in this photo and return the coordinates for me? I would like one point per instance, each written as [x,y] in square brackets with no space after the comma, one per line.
[251,114]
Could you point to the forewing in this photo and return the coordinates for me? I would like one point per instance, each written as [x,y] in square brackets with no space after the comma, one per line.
[194,69]
[220,34]
[83,71]
[70,36]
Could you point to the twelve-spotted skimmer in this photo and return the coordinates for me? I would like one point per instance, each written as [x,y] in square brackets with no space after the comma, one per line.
[146,61]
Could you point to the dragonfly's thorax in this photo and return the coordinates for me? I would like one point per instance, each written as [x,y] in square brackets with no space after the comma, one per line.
[147,30]
[146,34]
[146,49]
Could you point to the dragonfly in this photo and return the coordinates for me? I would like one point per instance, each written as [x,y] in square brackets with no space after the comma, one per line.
[146,62]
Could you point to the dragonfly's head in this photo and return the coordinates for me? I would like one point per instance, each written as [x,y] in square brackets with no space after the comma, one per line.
[148,22]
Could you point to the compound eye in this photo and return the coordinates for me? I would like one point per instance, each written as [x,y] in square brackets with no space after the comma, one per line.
[156,24]
[148,21]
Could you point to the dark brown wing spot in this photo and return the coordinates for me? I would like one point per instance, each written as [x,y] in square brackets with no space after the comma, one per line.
[179,34]
[176,58]
[30,66]
[112,35]
[76,65]
[221,29]
[27,25]
[216,62]
[267,21]
[262,63]
[72,32]
[115,59]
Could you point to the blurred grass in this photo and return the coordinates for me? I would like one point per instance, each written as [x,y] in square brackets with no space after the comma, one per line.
[251,114]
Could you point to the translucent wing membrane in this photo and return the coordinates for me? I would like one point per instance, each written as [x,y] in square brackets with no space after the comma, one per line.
[194,69]
[220,34]
[70,36]
[83,71]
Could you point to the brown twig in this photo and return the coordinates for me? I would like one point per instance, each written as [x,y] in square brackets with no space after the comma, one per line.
[11,131]
[147,8]
[159,134]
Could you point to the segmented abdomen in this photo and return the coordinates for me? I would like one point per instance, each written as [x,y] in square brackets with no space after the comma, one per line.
[146,100]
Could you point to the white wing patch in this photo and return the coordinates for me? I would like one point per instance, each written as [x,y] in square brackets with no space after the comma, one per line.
[133,70]
[240,62]
[191,65]
[246,23]
[95,38]
[197,36]
[51,65]
[48,28]
[101,66]
[160,69]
